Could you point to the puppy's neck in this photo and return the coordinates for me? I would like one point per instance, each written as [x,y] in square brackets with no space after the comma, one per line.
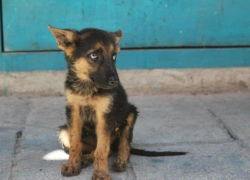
[79,86]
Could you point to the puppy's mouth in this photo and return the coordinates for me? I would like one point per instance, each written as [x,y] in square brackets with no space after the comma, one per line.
[103,86]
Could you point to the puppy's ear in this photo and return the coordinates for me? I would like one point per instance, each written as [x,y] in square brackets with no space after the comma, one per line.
[118,35]
[66,39]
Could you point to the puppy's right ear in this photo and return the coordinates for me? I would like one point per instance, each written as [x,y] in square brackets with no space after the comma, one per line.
[118,35]
[66,39]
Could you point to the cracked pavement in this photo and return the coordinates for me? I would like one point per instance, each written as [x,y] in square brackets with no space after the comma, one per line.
[213,129]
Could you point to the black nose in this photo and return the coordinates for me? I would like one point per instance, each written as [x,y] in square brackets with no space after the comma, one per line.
[113,81]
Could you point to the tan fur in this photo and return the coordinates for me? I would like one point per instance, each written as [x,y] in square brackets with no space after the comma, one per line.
[69,50]
[111,49]
[117,49]
[124,148]
[85,35]
[87,158]
[99,103]
[69,36]
[74,162]
[103,145]
[96,47]
[118,35]
[76,132]
[83,69]
[107,51]
[121,161]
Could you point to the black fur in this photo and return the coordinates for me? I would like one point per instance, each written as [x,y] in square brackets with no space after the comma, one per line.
[68,115]
[77,85]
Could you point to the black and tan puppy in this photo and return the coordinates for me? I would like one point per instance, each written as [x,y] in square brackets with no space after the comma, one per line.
[99,116]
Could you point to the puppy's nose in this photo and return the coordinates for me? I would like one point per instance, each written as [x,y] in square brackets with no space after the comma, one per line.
[113,81]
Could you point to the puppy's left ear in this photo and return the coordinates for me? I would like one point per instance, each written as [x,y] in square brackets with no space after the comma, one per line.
[118,35]
[65,38]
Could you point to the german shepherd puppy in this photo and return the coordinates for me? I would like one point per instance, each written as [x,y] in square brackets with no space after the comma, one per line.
[99,116]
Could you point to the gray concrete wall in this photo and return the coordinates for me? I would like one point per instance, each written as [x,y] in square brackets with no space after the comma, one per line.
[157,81]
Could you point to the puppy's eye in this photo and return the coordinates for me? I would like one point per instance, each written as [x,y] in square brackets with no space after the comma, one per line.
[94,56]
[114,57]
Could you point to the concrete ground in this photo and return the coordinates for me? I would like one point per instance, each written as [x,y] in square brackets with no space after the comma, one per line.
[213,129]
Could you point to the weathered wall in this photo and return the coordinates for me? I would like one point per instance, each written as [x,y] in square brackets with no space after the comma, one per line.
[135,81]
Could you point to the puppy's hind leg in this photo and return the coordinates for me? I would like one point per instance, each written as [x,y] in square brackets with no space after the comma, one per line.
[121,161]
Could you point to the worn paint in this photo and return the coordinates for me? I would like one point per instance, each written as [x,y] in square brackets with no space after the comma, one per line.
[156,89]
[5,91]
[145,23]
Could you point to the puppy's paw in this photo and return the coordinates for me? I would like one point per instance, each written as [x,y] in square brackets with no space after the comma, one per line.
[86,160]
[99,175]
[119,165]
[71,168]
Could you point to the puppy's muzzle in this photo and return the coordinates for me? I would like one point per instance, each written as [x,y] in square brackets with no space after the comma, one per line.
[113,81]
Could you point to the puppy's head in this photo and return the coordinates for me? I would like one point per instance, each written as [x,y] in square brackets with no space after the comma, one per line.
[91,54]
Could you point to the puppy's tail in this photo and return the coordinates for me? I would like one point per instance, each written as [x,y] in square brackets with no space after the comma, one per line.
[63,137]
[141,152]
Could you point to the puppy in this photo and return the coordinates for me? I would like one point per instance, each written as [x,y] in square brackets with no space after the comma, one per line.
[99,116]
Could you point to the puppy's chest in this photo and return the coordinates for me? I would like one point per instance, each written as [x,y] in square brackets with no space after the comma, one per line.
[87,113]
[91,106]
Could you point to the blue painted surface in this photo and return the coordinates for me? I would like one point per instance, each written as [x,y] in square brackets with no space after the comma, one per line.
[146,23]
[137,59]
[33,61]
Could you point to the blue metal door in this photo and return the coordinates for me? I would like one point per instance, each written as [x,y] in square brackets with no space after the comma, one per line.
[157,34]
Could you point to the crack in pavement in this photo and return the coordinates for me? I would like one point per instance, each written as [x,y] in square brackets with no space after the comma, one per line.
[18,139]
[219,121]
[17,150]
[228,130]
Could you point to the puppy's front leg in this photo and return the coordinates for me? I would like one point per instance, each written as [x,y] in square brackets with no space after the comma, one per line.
[75,123]
[102,150]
